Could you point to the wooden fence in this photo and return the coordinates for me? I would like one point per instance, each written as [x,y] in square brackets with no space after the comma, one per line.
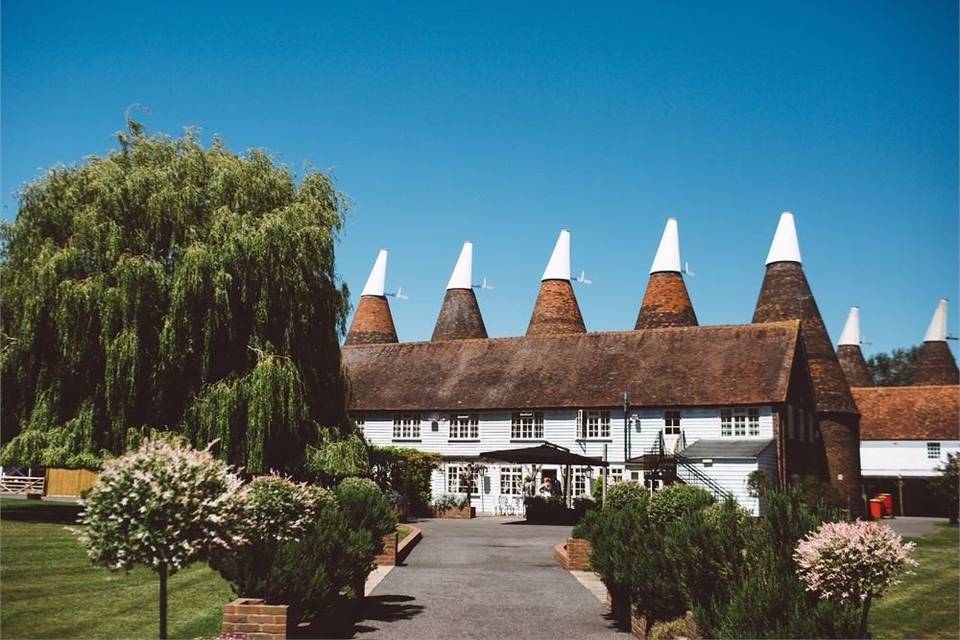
[20,484]
[68,483]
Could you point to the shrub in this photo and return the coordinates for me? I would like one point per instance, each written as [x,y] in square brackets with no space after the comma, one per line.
[446,502]
[406,471]
[947,486]
[366,507]
[276,510]
[821,496]
[670,503]
[164,505]
[621,494]
[852,562]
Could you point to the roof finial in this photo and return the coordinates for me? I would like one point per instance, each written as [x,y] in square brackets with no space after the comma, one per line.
[668,253]
[377,282]
[785,246]
[559,266]
[937,331]
[462,276]
[851,329]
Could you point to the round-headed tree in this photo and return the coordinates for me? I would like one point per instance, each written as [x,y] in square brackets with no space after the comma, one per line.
[172,285]
[164,506]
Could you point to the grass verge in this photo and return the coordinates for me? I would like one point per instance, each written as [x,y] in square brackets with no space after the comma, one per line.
[927,603]
[49,589]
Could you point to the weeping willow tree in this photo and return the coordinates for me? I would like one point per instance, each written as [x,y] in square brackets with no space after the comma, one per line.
[172,286]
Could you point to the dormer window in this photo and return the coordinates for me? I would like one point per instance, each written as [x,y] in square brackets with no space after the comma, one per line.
[671,423]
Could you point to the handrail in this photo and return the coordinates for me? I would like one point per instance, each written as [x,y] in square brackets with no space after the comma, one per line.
[715,488]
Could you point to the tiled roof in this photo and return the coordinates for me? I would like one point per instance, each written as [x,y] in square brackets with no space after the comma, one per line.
[671,367]
[909,413]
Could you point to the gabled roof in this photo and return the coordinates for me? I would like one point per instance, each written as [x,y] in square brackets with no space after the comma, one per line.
[725,448]
[909,413]
[671,367]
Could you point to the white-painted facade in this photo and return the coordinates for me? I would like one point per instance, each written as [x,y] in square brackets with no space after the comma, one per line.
[904,458]
[463,436]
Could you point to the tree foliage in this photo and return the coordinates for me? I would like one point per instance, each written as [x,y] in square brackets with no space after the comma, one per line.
[169,285]
[894,369]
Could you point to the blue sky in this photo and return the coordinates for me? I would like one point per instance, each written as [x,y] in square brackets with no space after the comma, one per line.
[503,123]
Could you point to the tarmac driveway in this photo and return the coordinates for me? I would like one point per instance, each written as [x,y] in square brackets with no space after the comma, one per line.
[484,578]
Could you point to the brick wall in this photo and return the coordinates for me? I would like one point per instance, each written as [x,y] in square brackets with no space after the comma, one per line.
[578,554]
[388,557]
[250,618]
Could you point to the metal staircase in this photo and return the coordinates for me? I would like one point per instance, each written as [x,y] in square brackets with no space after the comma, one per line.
[688,473]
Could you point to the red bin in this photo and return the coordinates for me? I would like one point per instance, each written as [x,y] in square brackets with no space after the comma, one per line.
[887,501]
[876,508]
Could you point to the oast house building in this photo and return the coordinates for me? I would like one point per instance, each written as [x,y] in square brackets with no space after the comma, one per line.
[669,401]
[906,433]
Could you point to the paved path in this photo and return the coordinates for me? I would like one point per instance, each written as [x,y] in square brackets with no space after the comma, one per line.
[484,578]
[913,526]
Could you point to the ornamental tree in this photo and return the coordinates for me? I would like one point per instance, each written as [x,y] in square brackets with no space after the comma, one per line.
[852,563]
[171,284]
[164,505]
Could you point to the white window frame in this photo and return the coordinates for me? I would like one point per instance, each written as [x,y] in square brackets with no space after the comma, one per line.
[934,448]
[406,426]
[594,425]
[615,475]
[580,481]
[464,427]
[740,422]
[511,480]
[526,425]
[671,423]
[453,474]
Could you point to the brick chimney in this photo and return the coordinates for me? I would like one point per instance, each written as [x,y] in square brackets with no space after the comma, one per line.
[373,323]
[936,364]
[666,302]
[460,317]
[556,310]
[786,295]
[850,355]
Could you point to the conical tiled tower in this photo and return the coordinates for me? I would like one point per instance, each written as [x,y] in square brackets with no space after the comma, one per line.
[556,310]
[373,323]
[666,302]
[460,314]
[936,364]
[849,352]
[786,295]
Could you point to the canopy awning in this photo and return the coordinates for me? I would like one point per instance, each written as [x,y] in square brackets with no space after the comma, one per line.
[545,453]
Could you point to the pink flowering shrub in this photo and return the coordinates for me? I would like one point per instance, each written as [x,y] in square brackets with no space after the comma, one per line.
[852,562]
[163,504]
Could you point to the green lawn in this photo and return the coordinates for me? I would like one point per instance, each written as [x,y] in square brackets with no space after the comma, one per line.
[926,604]
[50,590]
[402,532]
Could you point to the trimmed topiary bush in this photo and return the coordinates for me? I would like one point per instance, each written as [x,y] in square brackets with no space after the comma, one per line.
[621,494]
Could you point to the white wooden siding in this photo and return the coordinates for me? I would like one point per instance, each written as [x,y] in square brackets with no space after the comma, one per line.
[731,474]
[908,458]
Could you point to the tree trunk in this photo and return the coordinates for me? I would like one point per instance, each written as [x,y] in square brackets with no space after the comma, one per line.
[863,617]
[163,601]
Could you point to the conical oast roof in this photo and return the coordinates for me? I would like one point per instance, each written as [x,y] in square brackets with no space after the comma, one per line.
[666,302]
[556,310]
[373,322]
[936,364]
[460,317]
[785,295]
[850,354]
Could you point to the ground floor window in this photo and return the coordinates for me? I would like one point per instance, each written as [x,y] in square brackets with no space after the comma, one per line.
[511,481]
[616,475]
[457,480]
[580,481]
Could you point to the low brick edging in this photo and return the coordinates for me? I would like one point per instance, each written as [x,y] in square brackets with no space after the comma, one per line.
[388,556]
[574,554]
[457,513]
[394,553]
[250,618]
